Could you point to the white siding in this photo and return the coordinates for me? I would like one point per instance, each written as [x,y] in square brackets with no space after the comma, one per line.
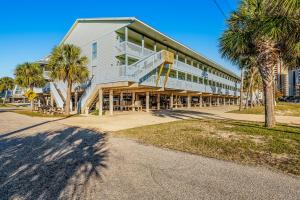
[85,34]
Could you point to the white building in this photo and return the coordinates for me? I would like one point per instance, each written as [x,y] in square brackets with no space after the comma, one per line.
[134,66]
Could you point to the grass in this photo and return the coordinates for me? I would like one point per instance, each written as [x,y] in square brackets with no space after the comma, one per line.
[242,142]
[282,108]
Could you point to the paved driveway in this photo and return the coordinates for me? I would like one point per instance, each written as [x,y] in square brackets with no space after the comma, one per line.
[45,159]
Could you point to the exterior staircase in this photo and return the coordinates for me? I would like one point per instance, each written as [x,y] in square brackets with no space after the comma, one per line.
[135,72]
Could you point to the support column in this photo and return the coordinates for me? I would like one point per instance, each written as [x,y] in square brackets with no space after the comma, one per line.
[200,101]
[51,100]
[100,102]
[143,45]
[218,101]
[189,101]
[147,101]
[224,101]
[176,106]
[121,101]
[210,101]
[111,102]
[133,100]
[158,101]
[171,101]
[126,40]
[76,102]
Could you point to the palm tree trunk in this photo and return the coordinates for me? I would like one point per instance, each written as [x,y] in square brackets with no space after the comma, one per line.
[68,99]
[31,101]
[251,96]
[267,58]
[269,105]
[241,89]
[248,90]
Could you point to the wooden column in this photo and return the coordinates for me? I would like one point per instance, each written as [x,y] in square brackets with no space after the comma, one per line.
[100,102]
[171,101]
[210,101]
[76,102]
[111,102]
[176,106]
[200,100]
[224,101]
[189,101]
[158,101]
[147,101]
[121,100]
[218,101]
[51,100]
[133,100]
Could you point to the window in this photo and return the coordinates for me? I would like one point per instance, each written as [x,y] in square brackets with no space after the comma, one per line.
[200,80]
[94,50]
[173,73]
[195,79]
[181,76]
[189,77]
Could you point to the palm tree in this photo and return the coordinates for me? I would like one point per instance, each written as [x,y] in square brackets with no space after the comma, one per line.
[268,30]
[29,75]
[69,66]
[6,84]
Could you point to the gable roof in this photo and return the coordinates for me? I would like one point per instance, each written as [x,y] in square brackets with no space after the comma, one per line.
[151,32]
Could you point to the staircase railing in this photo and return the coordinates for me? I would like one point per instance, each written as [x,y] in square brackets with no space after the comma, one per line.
[90,86]
[145,66]
[57,97]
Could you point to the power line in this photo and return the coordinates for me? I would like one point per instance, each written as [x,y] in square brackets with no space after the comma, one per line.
[219,8]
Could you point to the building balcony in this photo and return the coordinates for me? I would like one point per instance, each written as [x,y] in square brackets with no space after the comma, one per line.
[132,50]
[137,51]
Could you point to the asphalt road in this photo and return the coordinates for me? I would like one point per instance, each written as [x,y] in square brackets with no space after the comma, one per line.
[44,159]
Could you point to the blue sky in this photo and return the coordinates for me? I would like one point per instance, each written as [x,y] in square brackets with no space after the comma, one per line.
[31,28]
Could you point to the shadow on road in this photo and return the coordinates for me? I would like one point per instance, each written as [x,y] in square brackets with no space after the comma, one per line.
[65,163]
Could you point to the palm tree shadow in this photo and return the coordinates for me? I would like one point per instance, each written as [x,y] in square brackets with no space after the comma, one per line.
[52,165]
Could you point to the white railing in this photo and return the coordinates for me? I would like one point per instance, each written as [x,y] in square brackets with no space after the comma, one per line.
[133,49]
[145,66]
[57,98]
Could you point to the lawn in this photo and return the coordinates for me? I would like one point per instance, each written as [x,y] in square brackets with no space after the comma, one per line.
[242,142]
[282,108]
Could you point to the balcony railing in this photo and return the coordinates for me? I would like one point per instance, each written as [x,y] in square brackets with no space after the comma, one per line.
[142,53]
[133,50]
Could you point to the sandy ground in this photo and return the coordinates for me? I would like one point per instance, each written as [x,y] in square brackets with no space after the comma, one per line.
[124,120]
[47,159]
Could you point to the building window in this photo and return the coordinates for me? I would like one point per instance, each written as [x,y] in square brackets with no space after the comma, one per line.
[195,79]
[181,76]
[173,73]
[94,50]
[189,77]
[200,80]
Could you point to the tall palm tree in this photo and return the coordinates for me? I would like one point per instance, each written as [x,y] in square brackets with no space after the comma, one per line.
[268,30]
[29,75]
[69,66]
[6,84]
